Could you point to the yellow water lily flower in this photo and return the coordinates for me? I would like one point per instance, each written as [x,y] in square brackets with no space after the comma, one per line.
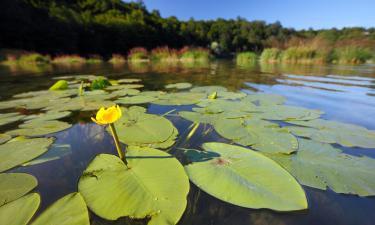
[107,116]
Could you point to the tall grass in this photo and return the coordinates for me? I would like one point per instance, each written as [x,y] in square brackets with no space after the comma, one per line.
[164,54]
[270,55]
[246,57]
[69,59]
[34,58]
[351,55]
[117,59]
[188,54]
[138,54]
[94,59]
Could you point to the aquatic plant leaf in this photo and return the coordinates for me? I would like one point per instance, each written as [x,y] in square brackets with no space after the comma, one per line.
[4,138]
[14,153]
[180,98]
[68,210]
[246,178]
[50,115]
[20,211]
[129,80]
[7,118]
[263,99]
[199,117]
[55,152]
[259,134]
[136,127]
[179,86]
[100,83]
[320,166]
[326,131]
[138,99]
[59,85]
[15,185]
[125,86]
[39,128]
[155,186]
[125,92]
[284,112]
[208,89]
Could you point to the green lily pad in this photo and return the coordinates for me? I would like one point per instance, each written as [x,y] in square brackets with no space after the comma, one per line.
[39,128]
[68,210]
[335,132]
[56,151]
[59,85]
[125,92]
[259,134]
[138,99]
[125,86]
[155,186]
[208,89]
[15,185]
[4,138]
[320,166]
[129,80]
[20,211]
[7,118]
[265,99]
[180,98]
[50,115]
[14,153]
[283,112]
[246,178]
[179,86]
[139,128]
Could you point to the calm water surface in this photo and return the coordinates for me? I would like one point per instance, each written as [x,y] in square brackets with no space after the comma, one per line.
[344,93]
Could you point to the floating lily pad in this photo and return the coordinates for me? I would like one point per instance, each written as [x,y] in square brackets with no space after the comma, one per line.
[39,128]
[59,85]
[283,112]
[139,128]
[320,166]
[208,89]
[55,152]
[259,134]
[181,98]
[50,115]
[246,178]
[125,86]
[68,210]
[179,86]
[20,211]
[335,132]
[125,92]
[129,80]
[138,99]
[15,185]
[265,99]
[7,118]
[155,186]
[4,138]
[14,153]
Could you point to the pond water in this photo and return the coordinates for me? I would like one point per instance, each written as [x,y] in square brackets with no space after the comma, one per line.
[344,93]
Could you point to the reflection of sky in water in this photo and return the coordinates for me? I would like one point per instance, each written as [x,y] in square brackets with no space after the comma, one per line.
[342,92]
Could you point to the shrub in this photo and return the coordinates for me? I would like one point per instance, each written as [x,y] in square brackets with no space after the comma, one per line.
[138,54]
[246,57]
[351,55]
[194,54]
[94,59]
[68,59]
[34,58]
[270,55]
[117,59]
[164,54]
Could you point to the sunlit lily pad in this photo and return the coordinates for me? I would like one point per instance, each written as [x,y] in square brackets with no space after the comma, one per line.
[320,166]
[55,152]
[125,92]
[129,80]
[260,135]
[283,112]
[4,138]
[265,99]
[14,153]
[50,115]
[20,211]
[15,185]
[208,89]
[179,86]
[68,210]
[246,178]
[39,128]
[335,132]
[138,99]
[59,85]
[7,118]
[181,98]
[124,86]
[155,186]
[139,128]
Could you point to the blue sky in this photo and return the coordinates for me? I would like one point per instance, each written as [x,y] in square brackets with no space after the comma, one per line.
[299,14]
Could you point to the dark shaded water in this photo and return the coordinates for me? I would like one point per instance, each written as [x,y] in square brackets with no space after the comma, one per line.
[344,93]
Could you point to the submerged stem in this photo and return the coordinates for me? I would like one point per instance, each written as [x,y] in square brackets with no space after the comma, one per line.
[117,143]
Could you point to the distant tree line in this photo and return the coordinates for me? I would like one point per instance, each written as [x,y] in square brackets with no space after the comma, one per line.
[112,26]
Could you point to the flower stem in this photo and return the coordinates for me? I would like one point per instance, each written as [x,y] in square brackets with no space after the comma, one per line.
[117,143]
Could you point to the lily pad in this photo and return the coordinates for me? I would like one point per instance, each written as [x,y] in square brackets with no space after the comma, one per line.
[15,185]
[129,80]
[138,99]
[154,186]
[50,115]
[59,85]
[179,86]
[4,138]
[139,128]
[125,92]
[14,153]
[180,98]
[124,86]
[335,132]
[320,166]
[7,118]
[246,178]
[20,211]
[39,128]
[68,210]
[265,99]
[259,134]
[208,89]
[283,112]
[56,151]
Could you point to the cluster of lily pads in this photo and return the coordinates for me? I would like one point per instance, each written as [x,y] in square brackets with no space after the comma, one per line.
[272,149]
